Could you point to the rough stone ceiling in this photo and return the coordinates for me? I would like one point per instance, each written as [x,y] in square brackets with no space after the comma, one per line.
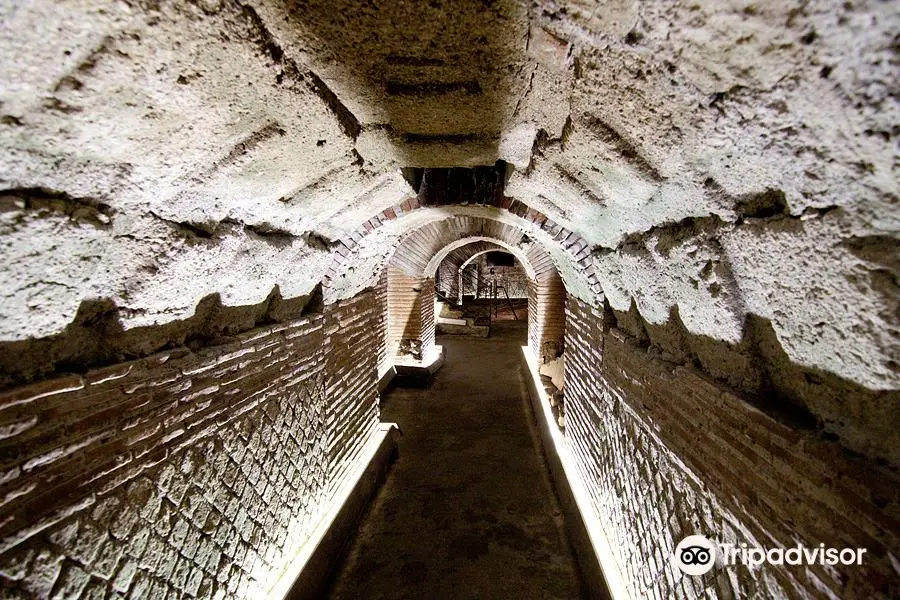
[724,158]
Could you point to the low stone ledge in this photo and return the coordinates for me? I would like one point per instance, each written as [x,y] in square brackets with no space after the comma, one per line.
[598,570]
[386,377]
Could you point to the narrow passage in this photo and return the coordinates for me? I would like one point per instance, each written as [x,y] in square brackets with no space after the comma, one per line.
[468,510]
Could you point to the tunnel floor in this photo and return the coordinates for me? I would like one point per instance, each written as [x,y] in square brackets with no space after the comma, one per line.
[468,510]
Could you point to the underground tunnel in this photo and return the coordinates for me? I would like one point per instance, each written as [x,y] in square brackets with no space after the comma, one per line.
[449,299]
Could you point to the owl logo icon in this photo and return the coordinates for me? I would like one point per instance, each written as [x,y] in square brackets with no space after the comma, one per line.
[695,555]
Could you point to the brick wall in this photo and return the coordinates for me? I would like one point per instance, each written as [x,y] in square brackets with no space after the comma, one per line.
[410,303]
[546,316]
[447,280]
[427,304]
[665,452]
[381,327]
[351,378]
[182,473]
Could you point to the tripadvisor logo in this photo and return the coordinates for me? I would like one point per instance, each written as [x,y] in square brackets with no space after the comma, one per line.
[696,555]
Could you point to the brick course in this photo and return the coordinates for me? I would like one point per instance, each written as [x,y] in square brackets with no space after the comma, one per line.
[195,474]
[546,317]
[666,452]
[410,313]
[351,377]
[384,357]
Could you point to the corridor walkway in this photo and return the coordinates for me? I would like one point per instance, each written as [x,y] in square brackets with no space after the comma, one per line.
[467,511]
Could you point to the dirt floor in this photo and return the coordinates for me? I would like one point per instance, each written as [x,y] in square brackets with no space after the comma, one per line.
[467,511]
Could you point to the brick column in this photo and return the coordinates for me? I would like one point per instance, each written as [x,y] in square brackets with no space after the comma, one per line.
[410,314]
[546,317]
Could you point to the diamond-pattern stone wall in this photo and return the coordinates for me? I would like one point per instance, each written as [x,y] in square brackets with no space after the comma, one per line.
[666,452]
[351,378]
[185,474]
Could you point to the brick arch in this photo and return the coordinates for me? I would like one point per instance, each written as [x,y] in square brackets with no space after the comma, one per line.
[469,260]
[536,262]
[417,252]
[573,243]
[409,235]
[465,249]
[410,285]
[446,265]
[546,294]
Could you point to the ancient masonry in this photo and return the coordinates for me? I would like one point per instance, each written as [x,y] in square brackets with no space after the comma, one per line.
[223,222]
